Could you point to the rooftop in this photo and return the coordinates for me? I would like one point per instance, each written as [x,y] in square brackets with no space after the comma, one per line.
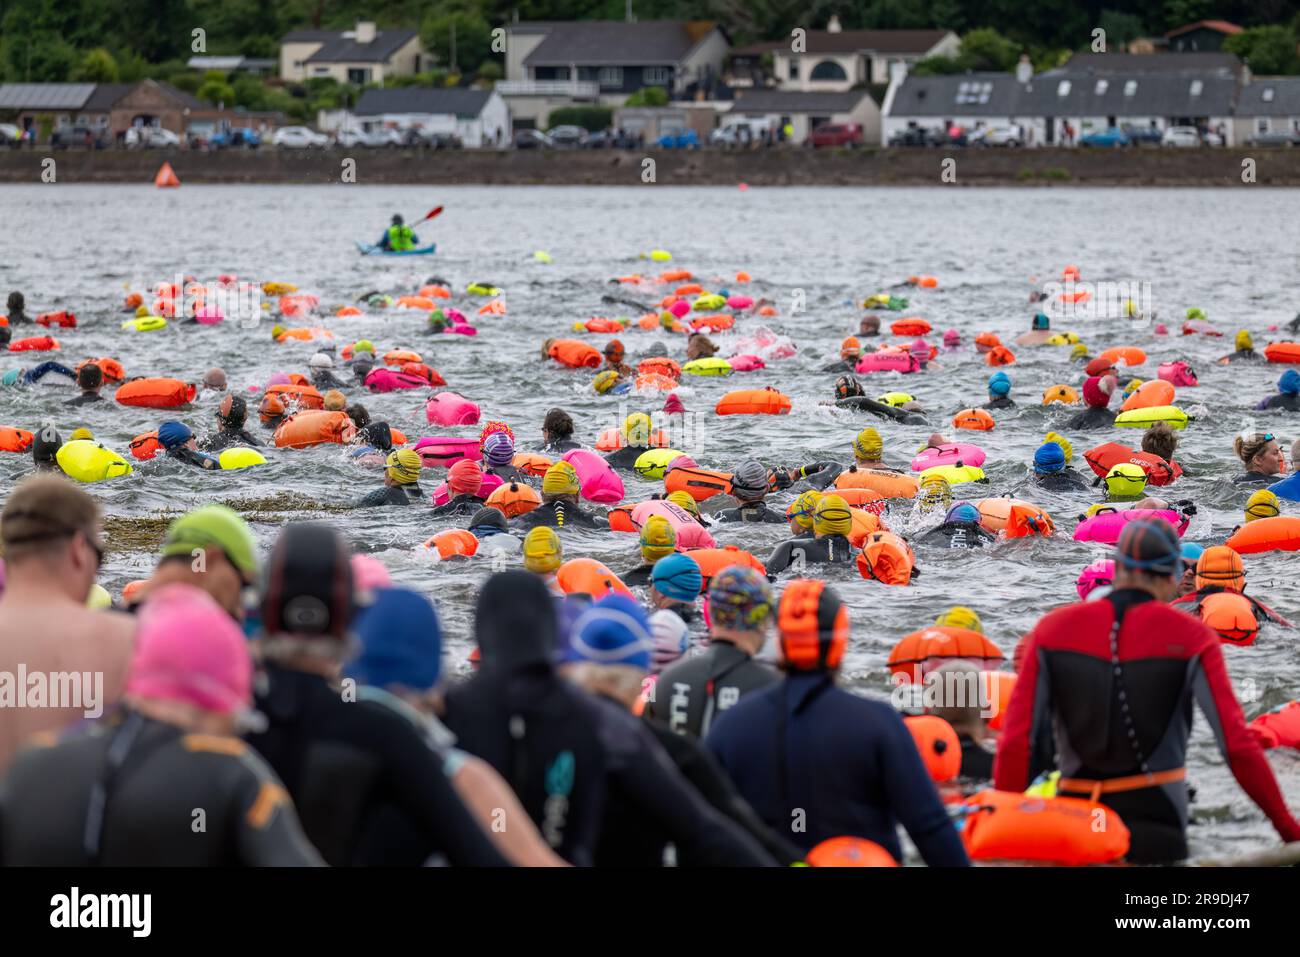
[795,101]
[343,47]
[618,43]
[461,101]
[1270,96]
[45,96]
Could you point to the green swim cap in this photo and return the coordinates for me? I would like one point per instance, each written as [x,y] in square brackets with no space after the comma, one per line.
[214,525]
[11,376]
[363,345]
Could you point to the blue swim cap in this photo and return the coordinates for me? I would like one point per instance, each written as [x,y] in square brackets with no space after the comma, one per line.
[401,641]
[963,512]
[1191,552]
[999,383]
[1050,457]
[1041,321]
[1289,384]
[173,434]
[678,577]
[613,631]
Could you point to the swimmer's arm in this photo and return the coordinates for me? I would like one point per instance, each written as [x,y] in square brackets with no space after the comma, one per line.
[1011,771]
[269,833]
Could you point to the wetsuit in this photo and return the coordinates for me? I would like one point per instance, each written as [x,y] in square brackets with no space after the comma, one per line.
[85,399]
[1286,401]
[1242,355]
[154,777]
[191,457]
[357,770]
[559,446]
[37,373]
[393,495]
[560,515]
[825,550]
[1066,480]
[691,692]
[957,535]
[225,438]
[625,458]
[1067,700]
[817,762]
[1254,478]
[860,403]
[1001,402]
[841,365]
[459,505]
[976,760]
[508,474]
[750,512]
[1093,417]
[638,576]
[324,379]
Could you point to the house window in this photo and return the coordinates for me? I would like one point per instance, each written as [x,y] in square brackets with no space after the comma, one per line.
[610,77]
[793,69]
[1261,125]
[359,76]
[828,70]
[1130,87]
[1100,89]
[1063,88]
[656,76]
[1197,86]
[1267,94]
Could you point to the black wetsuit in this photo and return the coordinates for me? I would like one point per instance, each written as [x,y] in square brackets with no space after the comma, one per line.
[559,446]
[393,495]
[1093,417]
[842,365]
[957,535]
[560,515]
[226,438]
[1001,402]
[1242,355]
[508,474]
[1257,478]
[976,760]
[324,379]
[860,403]
[625,458]
[691,692]
[1287,401]
[191,457]
[750,512]
[155,777]
[828,549]
[85,399]
[1066,480]
[640,575]
[354,766]
[459,505]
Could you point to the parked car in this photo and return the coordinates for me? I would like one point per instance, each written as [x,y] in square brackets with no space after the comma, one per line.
[155,137]
[1111,137]
[78,135]
[1211,138]
[1142,135]
[1181,136]
[998,136]
[532,140]
[239,136]
[611,140]
[1275,138]
[372,139]
[915,136]
[299,138]
[567,136]
[680,140]
[10,134]
[837,134]
[735,136]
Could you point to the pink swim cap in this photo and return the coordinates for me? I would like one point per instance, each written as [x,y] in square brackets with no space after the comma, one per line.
[919,348]
[369,573]
[951,335]
[1099,573]
[278,378]
[672,404]
[682,462]
[1161,329]
[188,649]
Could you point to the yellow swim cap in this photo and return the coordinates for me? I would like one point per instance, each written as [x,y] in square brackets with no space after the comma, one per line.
[277,331]
[560,479]
[542,550]
[935,491]
[1244,341]
[959,616]
[1060,393]
[685,500]
[142,312]
[868,446]
[363,345]
[605,381]
[1062,441]
[1125,482]
[1262,504]
[403,466]
[832,516]
[1080,351]
[658,538]
[82,434]
[636,429]
[802,509]
[1133,385]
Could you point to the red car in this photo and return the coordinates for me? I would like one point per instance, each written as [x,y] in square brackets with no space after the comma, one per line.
[837,134]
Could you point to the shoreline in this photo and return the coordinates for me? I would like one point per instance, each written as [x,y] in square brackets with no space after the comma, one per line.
[774,167]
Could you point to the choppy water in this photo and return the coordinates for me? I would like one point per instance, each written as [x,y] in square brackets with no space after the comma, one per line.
[1231,253]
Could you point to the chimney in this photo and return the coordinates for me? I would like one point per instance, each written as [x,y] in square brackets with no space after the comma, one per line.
[365,31]
[833,24]
[1024,69]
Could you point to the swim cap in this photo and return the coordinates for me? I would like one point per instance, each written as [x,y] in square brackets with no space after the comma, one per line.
[868,446]
[335,401]
[685,500]
[1049,458]
[846,386]
[1097,391]
[1100,367]
[1063,442]
[209,526]
[369,573]
[832,516]
[999,383]
[187,649]
[658,538]
[363,345]
[233,409]
[403,466]
[1100,573]
[377,434]
[1191,553]
[673,405]
[1244,341]
[935,492]
[1080,351]
[1149,545]
[959,616]
[488,517]
[951,337]
[498,449]
[613,631]
[605,381]
[749,481]
[614,348]
[1125,482]
[681,462]
[491,426]
[1220,566]
[669,636]
[277,331]
[308,586]
[401,641]
[920,348]
[813,626]
[963,512]
[82,434]
[47,443]
[320,360]
[465,477]
[678,576]
[1289,383]
[542,550]
[850,347]
[560,479]
[740,599]
[802,509]
[1262,504]
[636,429]
[1041,321]
[173,434]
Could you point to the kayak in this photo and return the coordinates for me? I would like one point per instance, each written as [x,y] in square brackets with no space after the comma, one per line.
[367,249]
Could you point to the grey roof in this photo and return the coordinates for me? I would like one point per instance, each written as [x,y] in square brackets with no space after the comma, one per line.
[463,102]
[794,101]
[106,96]
[1284,100]
[185,99]
[616,42]
[1151,63]
[44,96]
[341,49]
[965,94]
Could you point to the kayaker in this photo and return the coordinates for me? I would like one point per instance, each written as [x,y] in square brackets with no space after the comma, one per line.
[398,237]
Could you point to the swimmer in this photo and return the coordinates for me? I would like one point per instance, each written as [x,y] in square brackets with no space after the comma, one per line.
[371,444]
[1096,395]
[1000,392]
[1160,440]
[1260,454]
[320,366]
[1191,554]
[960,529]
[614,353]
[25,376]
[1051,472]
[90,379]
[499,456]
[489,526]
[687,502]
[359,415]
[1245,350]
[749,487]
[850,350]
[559,506]
[959,704]
[231,415]
[636,433]
[15,308]
[800,513]
[401,482]
[869,326]
[1288,393]
[271,411]
[214,380]
[658,540]
[543,556]
[45,446]
[1220,569]
[699,346]
[951,340]
[1125,482]
[849,394]
[557,433]
[464,482]
[609,382]
[177,439]
[1040,330]
[335,401]
[675,584]
[362,366]
[832,523]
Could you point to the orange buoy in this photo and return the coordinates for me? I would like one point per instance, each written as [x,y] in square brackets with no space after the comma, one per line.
[766,401]
[1129,355]
[453,543]
[166,177]
[35,344]
[15,440]
[660,365]
[435,292]
[911,326]
[999,356]
[714,560]
[347,312]
[742,276]
[1230,614]
[304,396]
[514,498]
[314,427]
[587,576]
[849,852]
[938,745]
[400,357]
[531,463]
[146,446]
[155,393]
[1150,395]
[719,322]
[1006,825]
[884,484]
[998,686]
[886,558]
[921,651]
[700,484]
[978,419]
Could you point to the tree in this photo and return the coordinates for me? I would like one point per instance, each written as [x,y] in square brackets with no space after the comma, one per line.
[215,89]
[649,96]
[473,38]
[1266,50]
[1120,28]
[935,66]
[96,66]
[987,50]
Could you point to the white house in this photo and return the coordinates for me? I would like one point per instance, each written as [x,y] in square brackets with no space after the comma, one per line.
[478,117]
[834,60]
[805,111]
[363,55]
